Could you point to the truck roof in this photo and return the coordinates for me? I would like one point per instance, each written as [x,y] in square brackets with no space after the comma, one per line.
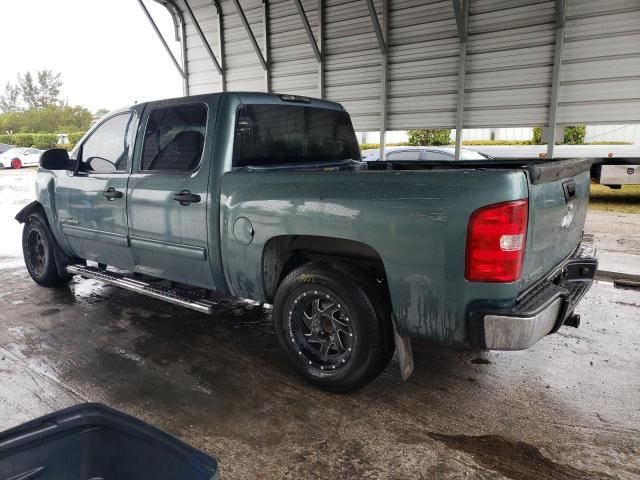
[261,97]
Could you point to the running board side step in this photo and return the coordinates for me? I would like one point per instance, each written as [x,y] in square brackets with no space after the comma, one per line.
[162,293]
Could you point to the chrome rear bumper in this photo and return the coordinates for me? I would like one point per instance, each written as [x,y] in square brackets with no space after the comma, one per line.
[541,311]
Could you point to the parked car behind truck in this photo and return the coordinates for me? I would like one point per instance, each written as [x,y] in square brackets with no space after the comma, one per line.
[265,197]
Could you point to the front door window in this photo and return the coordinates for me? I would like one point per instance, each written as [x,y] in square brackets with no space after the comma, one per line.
[107,149]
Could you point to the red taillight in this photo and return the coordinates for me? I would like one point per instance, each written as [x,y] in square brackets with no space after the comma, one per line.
[495,242]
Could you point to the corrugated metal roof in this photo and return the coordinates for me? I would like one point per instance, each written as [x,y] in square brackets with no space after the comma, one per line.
[509,59]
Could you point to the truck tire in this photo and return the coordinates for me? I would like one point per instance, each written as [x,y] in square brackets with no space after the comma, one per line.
[38,248]
[329,323]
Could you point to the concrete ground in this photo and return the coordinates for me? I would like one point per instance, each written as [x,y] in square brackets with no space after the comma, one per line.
[568,408]
[617,236]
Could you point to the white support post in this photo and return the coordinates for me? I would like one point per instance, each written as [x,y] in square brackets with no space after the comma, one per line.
[265,43]
[321,48]
[384,85]
[382,34]
[220,25]
[462,20]
[555,79]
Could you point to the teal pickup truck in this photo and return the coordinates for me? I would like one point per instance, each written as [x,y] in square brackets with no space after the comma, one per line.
[265,197]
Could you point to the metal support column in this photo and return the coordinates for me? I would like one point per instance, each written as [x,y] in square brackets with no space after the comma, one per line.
[382,35]
[183,53]
[180,69]
[220,26]
[555,79]
[462,20]
[321,48]
[203,38]
[265,42]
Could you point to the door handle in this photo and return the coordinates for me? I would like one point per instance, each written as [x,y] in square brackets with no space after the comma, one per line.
[185,197]
[111,193]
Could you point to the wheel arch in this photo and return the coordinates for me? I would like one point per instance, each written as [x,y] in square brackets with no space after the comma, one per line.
[27,210]
[282,254]
[62,259]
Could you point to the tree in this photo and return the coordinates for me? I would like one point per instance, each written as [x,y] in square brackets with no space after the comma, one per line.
[429,137]
[44,92]
[575,134]
[51,119]
[49,84]
[10,101]
[28,89]
[101,112]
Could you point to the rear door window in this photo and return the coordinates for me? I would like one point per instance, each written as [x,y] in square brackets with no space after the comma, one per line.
[291,134]
[174,138]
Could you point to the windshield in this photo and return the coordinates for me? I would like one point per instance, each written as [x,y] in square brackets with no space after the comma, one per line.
[292,134]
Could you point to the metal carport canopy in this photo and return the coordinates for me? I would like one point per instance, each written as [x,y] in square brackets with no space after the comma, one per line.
[402,64]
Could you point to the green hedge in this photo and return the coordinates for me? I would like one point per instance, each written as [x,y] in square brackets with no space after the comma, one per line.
[429,137]
[537,136]
[34,140]
[573,135]
[75,137]
[42,141]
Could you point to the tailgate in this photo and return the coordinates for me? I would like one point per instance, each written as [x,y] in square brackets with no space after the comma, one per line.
[558,198]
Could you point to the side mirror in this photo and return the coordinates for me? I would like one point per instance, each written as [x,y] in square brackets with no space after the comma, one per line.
[55,159]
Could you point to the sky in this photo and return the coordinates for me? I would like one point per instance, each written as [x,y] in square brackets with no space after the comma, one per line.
[106,50]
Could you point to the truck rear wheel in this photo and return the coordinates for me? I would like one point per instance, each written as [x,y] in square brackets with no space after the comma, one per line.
[330,324]
[38,247]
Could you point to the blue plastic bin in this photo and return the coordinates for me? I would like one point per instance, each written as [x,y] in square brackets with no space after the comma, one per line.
[94,442]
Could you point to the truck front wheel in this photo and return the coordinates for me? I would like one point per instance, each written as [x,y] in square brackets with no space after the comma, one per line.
[331,326]
[38,250]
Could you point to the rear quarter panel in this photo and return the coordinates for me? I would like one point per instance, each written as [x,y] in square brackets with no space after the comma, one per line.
[416,221]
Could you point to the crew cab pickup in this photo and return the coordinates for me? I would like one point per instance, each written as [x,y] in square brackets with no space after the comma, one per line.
[265,197]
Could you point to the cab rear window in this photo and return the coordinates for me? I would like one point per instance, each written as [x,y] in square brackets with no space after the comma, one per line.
[291,134]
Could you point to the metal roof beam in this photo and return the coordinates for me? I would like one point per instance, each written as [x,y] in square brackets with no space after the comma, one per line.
[376,27]
[462,18]
[164,42]
[307,29]
[555,78]
[204,40]
[252,37]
